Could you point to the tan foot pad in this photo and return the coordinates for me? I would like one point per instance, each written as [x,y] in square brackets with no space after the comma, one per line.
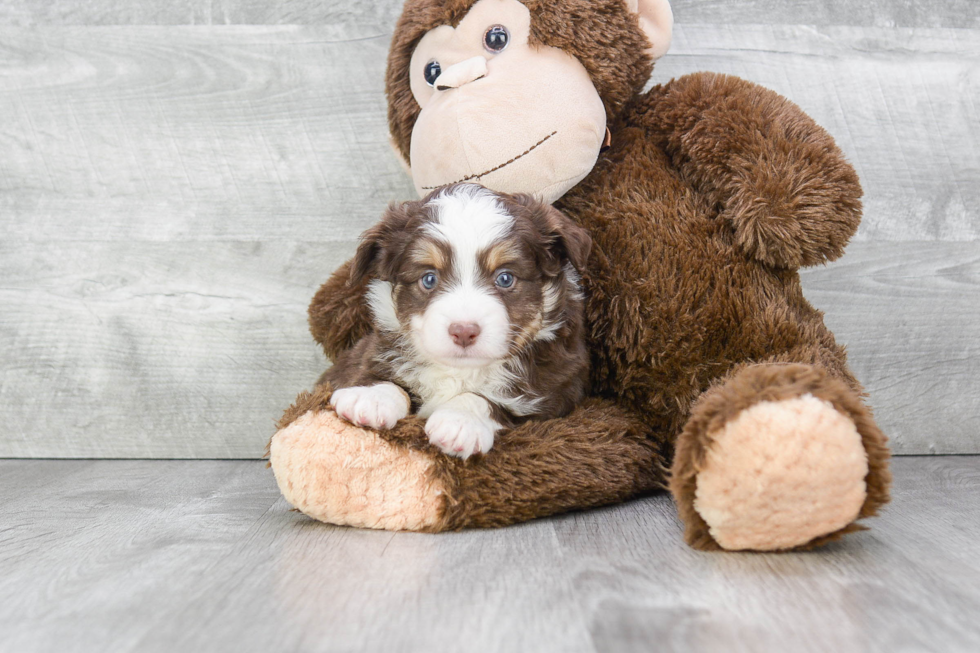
[782,474]
[341,474]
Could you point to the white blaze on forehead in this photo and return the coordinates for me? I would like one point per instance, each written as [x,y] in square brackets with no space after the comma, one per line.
[469,218]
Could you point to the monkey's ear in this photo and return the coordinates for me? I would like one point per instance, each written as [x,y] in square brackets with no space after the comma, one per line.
[656,21]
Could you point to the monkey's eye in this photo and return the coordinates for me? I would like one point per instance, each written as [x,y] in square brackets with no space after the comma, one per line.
[429,280]
[432,72]
[504,280]
[496,38]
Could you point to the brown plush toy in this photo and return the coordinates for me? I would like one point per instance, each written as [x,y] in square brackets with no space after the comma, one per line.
[706,359]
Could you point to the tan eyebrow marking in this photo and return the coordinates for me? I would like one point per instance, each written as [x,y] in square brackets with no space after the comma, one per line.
[498,255]
[429,254]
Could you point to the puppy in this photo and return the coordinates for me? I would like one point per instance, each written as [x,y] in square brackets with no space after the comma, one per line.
[478,318]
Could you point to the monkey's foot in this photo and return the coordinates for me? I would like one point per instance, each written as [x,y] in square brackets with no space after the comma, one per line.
[782,474]
[339,473]
[790,469]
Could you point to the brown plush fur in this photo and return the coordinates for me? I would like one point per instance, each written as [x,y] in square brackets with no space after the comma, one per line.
[772,381]
[603,454]
[713,193]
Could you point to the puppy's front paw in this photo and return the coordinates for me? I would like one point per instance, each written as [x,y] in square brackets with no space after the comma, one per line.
[459,432]
[378,406]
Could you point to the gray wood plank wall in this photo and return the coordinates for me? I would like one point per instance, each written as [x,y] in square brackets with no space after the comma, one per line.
[177,178]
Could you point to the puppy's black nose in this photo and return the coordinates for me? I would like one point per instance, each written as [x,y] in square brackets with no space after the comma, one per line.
[464,333]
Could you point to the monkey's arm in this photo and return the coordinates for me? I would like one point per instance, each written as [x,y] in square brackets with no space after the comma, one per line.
[338,314]
[777,176]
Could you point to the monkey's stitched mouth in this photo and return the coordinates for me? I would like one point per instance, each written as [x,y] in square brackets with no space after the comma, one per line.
[494,169]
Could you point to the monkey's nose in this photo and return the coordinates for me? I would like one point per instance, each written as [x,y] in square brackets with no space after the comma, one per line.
[464,334]
[462,73]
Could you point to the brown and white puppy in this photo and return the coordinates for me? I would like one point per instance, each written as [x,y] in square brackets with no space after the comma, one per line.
[477,314]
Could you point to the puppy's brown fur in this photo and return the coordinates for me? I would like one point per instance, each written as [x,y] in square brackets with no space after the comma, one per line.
[543,250]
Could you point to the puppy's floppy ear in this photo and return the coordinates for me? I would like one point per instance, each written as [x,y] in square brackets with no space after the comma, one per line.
[576,241]
[381,246]
[563,240]
[366,256]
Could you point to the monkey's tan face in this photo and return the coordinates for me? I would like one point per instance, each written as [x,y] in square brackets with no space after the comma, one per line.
[500,112]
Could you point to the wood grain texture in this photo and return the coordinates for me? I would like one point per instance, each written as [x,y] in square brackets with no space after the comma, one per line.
[186,133]
[117,556]
[903,104]
[191,350]
[865,13]
[201,12]
[149,349]
[287,125]
[909,314]
[171,197]
[877,13]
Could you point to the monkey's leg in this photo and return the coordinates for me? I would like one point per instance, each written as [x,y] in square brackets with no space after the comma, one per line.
[395,480]
[778,456]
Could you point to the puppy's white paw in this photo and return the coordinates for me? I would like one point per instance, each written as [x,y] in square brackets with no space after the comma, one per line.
[378,406]
[460,431]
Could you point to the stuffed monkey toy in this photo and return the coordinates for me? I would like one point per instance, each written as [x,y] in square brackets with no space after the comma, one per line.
[711,374]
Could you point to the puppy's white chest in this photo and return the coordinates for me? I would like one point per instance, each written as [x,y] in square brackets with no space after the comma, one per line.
[437,385]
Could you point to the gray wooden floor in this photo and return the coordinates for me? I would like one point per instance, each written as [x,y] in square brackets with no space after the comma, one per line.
[204,556]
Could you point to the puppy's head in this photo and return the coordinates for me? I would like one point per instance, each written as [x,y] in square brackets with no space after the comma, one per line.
[469,276]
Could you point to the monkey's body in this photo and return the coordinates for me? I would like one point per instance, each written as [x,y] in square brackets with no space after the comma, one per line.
[674,303]
[706,357]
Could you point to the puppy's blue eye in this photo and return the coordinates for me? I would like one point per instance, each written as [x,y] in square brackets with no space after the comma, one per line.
[431,72]
[429,280]
[505,280]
